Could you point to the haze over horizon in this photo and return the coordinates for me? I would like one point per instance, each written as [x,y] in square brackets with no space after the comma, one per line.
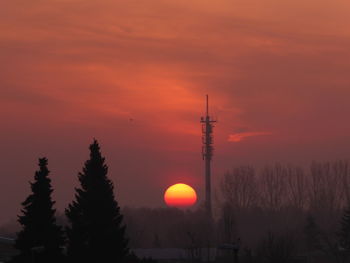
[134,75]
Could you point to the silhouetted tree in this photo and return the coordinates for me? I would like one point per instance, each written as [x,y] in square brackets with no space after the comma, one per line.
[297,184]
[228,224]
[96,232]
[326,188]
[40,239]
[273,185]
[239,188]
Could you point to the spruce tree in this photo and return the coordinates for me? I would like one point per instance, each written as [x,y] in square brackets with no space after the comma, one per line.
[96,232]
[40,239]
[344,233]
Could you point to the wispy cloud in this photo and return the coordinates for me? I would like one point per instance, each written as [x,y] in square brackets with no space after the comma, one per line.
[237,137]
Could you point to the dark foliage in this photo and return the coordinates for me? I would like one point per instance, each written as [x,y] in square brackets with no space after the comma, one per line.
[96,232]
[40,239]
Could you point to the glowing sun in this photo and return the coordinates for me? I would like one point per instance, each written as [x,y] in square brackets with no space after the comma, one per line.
[180,195]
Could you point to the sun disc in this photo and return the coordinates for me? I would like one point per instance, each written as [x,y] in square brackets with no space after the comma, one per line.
[180,195]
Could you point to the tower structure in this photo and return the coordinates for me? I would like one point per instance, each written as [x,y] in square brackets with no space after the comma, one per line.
[207,153]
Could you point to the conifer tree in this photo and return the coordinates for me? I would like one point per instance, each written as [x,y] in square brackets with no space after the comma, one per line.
[96,232]
[344,233]
[40,239]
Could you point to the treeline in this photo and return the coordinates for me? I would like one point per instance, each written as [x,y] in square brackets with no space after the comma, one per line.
[285,211]
[95,231]
[279,213]
[324,186]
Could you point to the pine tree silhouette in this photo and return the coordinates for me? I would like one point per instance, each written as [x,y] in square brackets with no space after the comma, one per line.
[40,239]
[96,233]
[344,233]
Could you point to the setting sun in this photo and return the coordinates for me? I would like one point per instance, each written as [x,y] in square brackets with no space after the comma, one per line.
[180,195]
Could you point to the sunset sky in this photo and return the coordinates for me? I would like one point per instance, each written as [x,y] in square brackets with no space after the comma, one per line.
[134,74]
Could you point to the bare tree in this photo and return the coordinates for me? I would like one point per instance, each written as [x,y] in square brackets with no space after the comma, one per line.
[273,187]
[228,224]
[341,168]
[297,187]
[239,187]
[326,186]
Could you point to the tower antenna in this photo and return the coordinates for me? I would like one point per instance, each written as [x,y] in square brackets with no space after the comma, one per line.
[207,153]
[207,105]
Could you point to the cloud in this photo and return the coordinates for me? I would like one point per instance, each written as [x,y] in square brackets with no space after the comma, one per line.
[237,137]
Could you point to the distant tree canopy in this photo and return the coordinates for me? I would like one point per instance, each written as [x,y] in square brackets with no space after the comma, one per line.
[325,186]
[40,238]
[268,208]
[96,232]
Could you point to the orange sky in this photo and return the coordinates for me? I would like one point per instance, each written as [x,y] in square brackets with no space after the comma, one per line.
[277,73]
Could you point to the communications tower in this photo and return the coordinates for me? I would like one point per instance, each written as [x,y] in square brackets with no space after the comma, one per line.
[207,152]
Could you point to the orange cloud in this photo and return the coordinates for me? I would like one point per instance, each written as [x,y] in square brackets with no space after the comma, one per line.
[237,137]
